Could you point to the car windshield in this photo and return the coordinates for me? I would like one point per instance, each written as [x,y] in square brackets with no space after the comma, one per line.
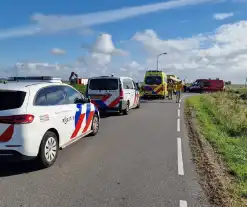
[11,99]
[153,80]
[197,83]
[103,84]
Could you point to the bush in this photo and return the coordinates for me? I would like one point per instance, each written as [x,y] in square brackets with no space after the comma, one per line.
[244,95]
[223,121]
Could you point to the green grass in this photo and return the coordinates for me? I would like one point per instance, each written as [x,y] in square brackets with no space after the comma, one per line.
[223,122]
[237,86]
[242,89]
[79,87]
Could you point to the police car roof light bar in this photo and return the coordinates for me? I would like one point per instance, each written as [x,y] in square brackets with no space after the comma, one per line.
[35,78]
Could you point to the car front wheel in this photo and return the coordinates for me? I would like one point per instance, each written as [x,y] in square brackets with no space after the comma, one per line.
[138,104]
[48,149]
[126,111]
[95,125]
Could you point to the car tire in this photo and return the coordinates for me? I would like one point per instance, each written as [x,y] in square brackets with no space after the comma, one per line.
[126,111]
[95,125]
[138,105]
[48,151]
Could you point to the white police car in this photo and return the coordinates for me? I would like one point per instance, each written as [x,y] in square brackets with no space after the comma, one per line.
[40,115]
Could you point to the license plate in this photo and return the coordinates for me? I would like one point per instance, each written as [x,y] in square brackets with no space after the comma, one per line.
[96,97]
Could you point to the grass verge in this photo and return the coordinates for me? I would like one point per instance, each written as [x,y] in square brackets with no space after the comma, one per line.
[79,87]
[222,121]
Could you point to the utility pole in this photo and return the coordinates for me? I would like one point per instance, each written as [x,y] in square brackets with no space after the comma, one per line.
[158,59]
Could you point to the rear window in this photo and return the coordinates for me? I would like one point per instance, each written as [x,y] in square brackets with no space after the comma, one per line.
[103,84]
[11,99]
[153,80]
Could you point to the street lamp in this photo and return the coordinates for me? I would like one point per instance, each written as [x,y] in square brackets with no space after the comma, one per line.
[158,59]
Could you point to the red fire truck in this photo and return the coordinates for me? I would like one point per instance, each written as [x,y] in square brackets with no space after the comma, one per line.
[206,85]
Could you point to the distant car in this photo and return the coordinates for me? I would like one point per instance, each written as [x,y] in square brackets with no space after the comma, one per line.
[113,94]
[40,115]
[206,85]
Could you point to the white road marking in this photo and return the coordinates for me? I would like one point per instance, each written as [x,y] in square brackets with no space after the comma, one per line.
[182,203]
[178,125]
[178,112]
[180,157]
[178,105]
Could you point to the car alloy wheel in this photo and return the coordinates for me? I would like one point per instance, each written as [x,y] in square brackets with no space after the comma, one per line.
[50,149]
[95,124]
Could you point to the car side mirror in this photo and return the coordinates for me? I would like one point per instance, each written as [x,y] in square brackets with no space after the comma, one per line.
[87,100]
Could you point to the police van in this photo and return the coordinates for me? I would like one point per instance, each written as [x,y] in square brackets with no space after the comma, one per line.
[113,94]
[40,115]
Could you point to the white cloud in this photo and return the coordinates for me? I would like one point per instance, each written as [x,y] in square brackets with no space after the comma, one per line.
[153,44]
[57,23]
[219,54]
[132,69]
[97,61]
[86,31]
[104,45]
[19,32]
[57,51]
[222,16]
[101,52]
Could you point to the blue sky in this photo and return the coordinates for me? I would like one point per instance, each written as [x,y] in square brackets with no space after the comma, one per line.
[181,22]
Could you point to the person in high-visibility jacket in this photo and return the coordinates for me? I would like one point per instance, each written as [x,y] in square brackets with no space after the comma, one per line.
[179,88]
[170,88]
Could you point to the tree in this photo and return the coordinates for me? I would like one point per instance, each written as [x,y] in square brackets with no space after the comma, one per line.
[228,83]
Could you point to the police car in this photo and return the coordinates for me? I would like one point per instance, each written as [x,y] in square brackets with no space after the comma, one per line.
[40,115]
[113,94]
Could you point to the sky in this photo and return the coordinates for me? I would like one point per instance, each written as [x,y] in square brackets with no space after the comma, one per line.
[201,38]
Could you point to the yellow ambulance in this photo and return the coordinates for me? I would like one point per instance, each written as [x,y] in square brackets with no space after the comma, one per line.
[155,84]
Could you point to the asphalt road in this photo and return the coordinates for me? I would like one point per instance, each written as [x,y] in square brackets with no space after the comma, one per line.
[139,160]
